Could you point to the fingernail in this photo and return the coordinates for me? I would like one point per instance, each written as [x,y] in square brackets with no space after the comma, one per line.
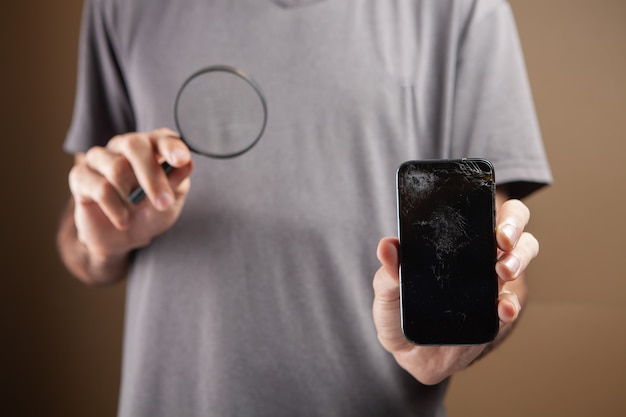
[179,156]
[164,201]
[510,232]
[513,265]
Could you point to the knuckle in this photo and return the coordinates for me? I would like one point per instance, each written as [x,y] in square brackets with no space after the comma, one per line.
[381,282]
[135,142]
[93,152]
[531,244]
[518,210]
[78,176]
[116,140]
[521,211]
[525,211]
[103,192]
[74,177]
[162,131]
[119,168]
[129,142]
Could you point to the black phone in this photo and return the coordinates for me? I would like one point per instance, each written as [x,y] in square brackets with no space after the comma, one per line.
[446,228]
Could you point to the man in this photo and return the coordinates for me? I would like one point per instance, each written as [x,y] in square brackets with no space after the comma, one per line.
[249,289]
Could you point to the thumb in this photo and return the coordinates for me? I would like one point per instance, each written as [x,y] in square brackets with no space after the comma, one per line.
[388,254]
[386,306]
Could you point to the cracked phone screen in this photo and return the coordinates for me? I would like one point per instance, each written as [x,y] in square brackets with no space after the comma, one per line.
[446,227]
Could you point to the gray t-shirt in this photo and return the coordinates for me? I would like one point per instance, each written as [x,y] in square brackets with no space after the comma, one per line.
[258,300]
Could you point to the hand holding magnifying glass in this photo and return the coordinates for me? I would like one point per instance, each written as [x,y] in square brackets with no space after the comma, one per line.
[220,112]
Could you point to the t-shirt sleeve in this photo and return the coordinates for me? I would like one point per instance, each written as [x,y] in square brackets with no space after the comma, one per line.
[493,114]
[102,106]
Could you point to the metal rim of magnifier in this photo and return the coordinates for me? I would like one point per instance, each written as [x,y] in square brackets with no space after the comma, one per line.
[245,77]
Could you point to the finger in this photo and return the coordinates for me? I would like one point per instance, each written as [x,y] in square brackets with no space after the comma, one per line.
[169,145]
[509,307]
[179,180]
[511,219]
[388,253]
[512,264]
[386,280]
[89,187]
[386,306]
[140,151]
[113,166]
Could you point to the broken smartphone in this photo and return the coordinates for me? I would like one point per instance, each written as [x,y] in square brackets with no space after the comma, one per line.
[446,227]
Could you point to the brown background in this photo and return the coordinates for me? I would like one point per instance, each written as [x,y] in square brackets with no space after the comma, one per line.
[60,341]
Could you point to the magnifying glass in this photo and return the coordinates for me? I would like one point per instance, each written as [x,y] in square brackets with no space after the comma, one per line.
[220,112]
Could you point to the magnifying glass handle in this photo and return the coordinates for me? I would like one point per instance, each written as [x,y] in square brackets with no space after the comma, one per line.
[138,194]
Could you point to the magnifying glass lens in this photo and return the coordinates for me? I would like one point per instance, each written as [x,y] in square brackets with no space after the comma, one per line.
[220,112]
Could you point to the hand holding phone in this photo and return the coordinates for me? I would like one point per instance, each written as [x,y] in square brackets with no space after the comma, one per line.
[446,228]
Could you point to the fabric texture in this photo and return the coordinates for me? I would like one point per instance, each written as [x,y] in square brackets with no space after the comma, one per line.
[258,300]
